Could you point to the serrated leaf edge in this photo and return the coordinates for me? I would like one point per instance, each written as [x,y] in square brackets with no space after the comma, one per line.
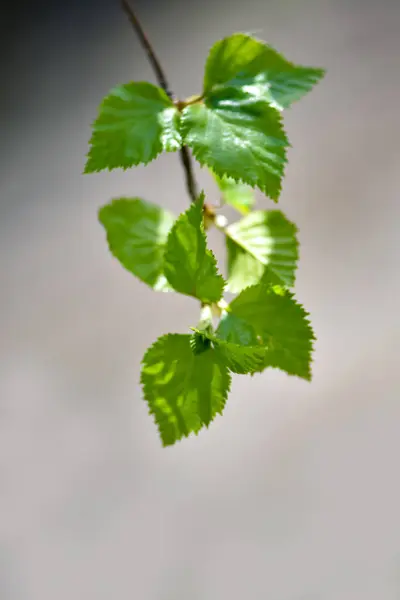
[223,173]
[304,313]
[321,70]
[208,251]
[102,105]
[144,386]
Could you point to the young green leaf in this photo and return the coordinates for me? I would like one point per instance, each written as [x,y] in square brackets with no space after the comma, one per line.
[238,358]
[137,233]
[264,243]
[237,195]
[189,266]
[270,315]
[242,61]
[238,136]
[184,390]
[136,121]
[199,342]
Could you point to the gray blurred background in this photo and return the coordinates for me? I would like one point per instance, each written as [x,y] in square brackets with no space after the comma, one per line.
[294,494]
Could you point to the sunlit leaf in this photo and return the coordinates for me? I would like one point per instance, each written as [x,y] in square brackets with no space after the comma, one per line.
[136,121]
[184,390]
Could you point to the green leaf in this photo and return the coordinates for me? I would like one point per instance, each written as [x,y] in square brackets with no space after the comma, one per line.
[238,136]
[244,62]
[136,121]
[238,195]
[234,329]
[238,358]
[270,315]
[137,232]
[241,359]
[199,342]
[184,390]
[264,243]
[190,267]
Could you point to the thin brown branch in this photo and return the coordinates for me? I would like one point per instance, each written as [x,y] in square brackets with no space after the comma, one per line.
[185,156]
[151,55]
[187,164]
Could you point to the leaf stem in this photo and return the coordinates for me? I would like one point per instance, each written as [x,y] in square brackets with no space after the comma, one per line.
[181,104]
[185,156]
[151,55]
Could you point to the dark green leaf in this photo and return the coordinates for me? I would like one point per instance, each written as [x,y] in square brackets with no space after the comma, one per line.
[199,342]
[238,358]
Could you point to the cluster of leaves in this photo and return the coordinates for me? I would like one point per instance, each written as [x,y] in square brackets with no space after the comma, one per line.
[235,129]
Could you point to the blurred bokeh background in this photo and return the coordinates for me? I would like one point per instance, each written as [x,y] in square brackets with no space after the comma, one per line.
[294,494]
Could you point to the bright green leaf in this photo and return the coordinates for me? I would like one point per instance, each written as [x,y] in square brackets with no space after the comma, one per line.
[239,137]
[243,269]
[189,266]
[241,359]
[238,358]
[137,232]
[244,62]
[262,243]
[136,121]
[236,330]
[238,195]
[184,390]
[271,315]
